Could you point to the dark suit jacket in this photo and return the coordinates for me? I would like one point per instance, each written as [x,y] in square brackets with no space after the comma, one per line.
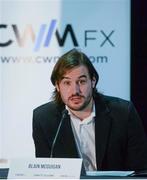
[121,143]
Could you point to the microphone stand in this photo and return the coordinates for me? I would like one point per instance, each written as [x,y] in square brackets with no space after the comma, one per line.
[64,113]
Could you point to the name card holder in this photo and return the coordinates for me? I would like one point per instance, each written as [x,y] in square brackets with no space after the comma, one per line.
[45,168]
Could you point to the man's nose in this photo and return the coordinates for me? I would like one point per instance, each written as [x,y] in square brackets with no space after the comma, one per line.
[75,88]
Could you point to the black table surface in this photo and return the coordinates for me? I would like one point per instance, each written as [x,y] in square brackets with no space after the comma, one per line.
[4,173]
[137,175]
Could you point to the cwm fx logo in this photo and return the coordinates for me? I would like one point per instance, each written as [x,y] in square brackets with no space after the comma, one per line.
[45,33]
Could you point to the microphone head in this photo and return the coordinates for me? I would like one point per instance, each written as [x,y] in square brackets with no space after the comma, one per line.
[64,112]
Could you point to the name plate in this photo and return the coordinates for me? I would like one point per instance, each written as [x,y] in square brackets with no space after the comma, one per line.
[45,168]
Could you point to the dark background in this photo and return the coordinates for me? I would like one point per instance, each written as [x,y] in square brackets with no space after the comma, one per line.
[139,57]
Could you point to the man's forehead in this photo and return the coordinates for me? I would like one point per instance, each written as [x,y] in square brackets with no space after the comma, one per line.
[79,70]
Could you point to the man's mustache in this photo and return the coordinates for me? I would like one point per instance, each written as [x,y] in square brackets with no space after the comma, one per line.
[75,95]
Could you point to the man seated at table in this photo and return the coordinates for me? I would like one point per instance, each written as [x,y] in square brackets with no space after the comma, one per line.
[106,132]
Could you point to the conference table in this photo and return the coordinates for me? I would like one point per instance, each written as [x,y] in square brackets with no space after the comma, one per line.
[137,175]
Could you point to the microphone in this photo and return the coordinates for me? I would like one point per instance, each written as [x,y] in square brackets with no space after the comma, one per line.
[64,114]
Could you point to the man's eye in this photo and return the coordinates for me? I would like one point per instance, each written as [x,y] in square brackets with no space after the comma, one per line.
[67,83]
[83,81]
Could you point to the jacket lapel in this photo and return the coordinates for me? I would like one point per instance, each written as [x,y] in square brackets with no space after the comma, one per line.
[102,129]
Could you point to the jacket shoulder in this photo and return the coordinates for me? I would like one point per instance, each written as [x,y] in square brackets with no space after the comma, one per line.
[115,101]
[45,106]
[120,108]
[115,105]
[44,109]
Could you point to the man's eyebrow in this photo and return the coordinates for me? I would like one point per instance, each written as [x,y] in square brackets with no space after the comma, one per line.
[82,76]
[64,77]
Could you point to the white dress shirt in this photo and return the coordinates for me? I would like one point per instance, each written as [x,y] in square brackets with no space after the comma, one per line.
[84,133]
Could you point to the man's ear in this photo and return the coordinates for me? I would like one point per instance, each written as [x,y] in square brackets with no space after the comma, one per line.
[57,86]
[93,82]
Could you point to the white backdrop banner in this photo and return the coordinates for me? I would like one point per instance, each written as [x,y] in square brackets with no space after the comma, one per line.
[33,34]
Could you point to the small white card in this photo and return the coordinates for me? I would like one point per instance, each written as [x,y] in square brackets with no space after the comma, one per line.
[45,168]
[109,173]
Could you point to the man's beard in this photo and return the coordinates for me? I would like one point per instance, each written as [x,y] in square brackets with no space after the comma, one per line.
[82,106]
